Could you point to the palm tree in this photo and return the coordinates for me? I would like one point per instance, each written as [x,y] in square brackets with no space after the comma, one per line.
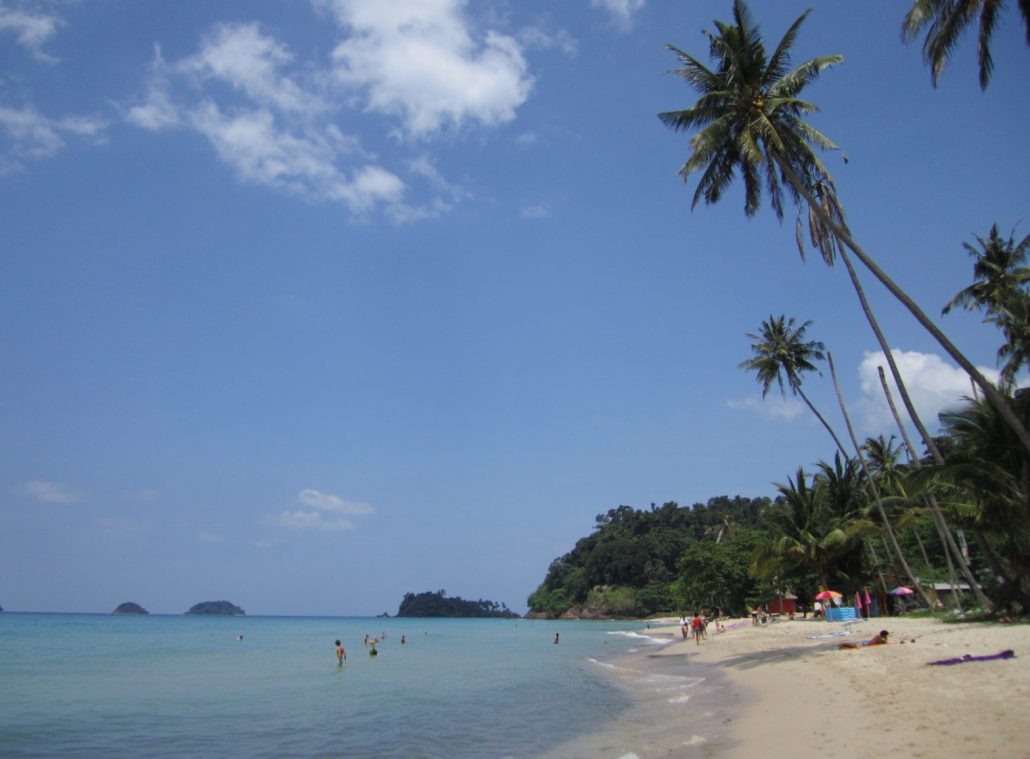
[1000,279]
[946,20]
[749,118]
[873,489]
[993,480]
[782,353]
[806,532]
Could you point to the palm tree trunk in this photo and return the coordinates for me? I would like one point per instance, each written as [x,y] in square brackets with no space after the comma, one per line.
[872,487]
[943,531]
[990,391]
[825,424]
[938,515]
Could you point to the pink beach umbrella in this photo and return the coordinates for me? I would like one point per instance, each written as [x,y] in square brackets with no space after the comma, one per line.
[902,591]
[827,595]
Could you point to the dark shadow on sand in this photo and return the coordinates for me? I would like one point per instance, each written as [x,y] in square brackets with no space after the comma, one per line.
[758,658]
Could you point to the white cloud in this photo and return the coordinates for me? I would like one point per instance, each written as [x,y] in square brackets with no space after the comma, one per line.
[535,211]
[325,512]
[311,520]
[52,492]
[251,62]
[31,30]
[933,384]
[326,502]
[275,120]
[210,537]
[418,60]
[622,10]
[771,407]
[31,135]
[157,110]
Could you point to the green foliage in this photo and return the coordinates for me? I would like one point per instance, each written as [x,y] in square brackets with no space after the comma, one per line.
[629,565]
[439,605]
[715,575]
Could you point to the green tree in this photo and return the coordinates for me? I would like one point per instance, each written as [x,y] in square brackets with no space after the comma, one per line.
[946,20]
[809,530]
[992,480]
[749,118]
[780,352]
[1000,279]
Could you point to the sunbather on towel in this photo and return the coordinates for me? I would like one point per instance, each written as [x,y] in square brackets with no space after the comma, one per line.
[880,639]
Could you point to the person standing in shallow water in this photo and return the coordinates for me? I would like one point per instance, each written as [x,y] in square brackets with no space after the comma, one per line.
[556,639]
[341,654]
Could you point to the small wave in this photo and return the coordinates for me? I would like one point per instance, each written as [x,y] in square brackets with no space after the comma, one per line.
[682,698]
[638,636]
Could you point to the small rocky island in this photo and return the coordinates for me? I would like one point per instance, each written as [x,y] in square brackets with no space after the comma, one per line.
[439,605]
[216,608]
[130,608]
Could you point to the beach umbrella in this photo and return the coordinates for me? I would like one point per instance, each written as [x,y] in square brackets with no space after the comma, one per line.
[902,591]
[827,595]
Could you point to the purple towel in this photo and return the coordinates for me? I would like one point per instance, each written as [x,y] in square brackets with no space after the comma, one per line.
[1009,654]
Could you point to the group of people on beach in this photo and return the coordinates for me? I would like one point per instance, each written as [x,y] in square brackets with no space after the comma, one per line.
[698,625]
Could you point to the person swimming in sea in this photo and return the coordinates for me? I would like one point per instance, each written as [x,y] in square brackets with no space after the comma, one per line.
[341,654]
[372,650]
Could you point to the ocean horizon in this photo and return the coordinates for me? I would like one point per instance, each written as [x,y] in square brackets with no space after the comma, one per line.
[104,685]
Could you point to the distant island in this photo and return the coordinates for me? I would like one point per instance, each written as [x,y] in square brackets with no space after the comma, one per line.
[216,608]
[439,605]
[130,608]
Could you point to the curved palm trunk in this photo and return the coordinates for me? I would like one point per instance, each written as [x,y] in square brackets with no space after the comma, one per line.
[990,391]
[825,424]
[872,487]
[938,523]
[950,549]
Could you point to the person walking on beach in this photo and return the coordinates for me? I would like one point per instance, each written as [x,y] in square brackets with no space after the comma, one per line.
[698,626]
[341,654]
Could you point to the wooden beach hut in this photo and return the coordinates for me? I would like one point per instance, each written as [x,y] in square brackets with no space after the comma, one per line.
[785,604]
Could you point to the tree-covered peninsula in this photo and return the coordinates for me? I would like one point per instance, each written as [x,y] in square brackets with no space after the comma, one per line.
[438,604]
[216,608]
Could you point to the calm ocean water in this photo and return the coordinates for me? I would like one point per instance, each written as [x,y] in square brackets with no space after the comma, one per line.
[80,685]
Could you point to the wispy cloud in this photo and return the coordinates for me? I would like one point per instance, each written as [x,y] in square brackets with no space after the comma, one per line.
[325,512]
[621,10]
[30,135]
[770,407]
[52,492]
[31,30]
[535,211]
[251,62]
[333,503]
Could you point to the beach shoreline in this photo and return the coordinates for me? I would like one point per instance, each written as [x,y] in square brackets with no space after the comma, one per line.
[796,691]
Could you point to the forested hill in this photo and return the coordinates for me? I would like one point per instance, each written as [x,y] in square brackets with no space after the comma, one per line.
[640,562]
[439,605]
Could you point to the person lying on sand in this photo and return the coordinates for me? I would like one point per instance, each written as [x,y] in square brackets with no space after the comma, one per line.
[880,639]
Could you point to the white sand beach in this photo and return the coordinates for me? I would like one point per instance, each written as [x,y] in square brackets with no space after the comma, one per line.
[806,698]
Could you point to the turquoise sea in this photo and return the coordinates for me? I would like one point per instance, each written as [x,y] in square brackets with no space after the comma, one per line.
[83,685]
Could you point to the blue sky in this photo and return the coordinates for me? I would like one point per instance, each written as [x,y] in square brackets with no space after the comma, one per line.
[306,305]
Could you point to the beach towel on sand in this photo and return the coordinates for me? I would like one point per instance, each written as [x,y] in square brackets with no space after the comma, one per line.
[1008,654]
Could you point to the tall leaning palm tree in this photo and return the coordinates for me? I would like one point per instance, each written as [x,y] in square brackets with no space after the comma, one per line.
[946,20]
[749,118]
[782,355]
